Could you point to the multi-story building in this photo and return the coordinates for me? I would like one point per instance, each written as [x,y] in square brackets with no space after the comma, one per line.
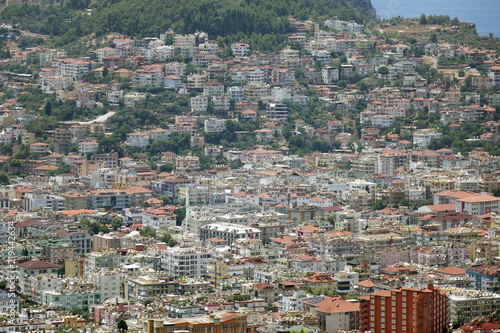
[323,283]
[407,310]
[160,219]
[277,112]
[330,75]
[109,199]
[228,231]
[477,204]
[422,138]
[218,322]
[143,288]
[134,100]
[219,272]
[148,78]
[69,299]
[240,49]
[199,103]
[215,125]
[472,304]
[138,139]
[485,277]
[56,250]
[442,256]
[189,162]
[33,268]
[185,261]
[390,160]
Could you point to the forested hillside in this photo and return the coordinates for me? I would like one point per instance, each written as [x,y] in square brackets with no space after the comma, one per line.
[139,18]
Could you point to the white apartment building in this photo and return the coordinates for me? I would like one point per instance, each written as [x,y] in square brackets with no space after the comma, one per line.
[108,283]
[277,112]
[228,231]
[349,26]
[51,84]
[148,78]
[164,52]
[115,97]
[423,137]
[88,147]
[329,74]
[240,49]
[134,100]
[222,102]
[236,93]
[214,125]
[383,121]
[138,139]
[159,219]
[472,303]
[185,261]
[199,103]
[105,52]
[159,134]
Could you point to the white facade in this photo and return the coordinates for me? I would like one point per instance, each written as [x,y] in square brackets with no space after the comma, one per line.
[214,125]
[158,219]
[199,103]
[140,140]
[329,75]
[422,138]
[240,49]
[383,121]
[185,261]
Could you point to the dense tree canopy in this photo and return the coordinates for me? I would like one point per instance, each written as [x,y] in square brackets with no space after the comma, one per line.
[152,17]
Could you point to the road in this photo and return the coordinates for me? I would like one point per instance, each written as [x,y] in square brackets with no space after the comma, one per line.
[100,119]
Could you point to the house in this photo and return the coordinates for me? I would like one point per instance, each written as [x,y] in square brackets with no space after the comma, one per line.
[39,148]
[138,139]
[33,268]
[240,49]
[88,147]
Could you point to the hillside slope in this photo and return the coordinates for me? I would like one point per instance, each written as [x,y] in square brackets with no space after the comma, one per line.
[141,18]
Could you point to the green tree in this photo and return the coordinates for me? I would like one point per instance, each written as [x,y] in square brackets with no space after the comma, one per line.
[92,226]
[180,215]
[270,307]
[423,19]
[167,167]
[48,108]
[4,178]
[148,231]
[117,222]
[167,239]
[496,192]
[405,202]
[379,204]
[61,271]
[122,326]
[383,70]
